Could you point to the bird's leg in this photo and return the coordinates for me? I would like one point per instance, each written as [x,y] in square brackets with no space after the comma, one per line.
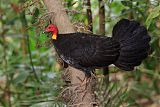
[87,78]
[88,72]
[85,82]
[83,86]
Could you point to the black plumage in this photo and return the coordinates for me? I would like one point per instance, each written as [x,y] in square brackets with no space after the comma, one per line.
[128,46]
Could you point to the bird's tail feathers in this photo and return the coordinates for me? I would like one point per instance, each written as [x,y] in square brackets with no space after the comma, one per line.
[134,43]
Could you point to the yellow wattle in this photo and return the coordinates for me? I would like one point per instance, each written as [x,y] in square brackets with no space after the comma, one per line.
[54,36]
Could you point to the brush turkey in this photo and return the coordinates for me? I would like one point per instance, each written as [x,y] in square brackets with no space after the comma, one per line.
[127,48]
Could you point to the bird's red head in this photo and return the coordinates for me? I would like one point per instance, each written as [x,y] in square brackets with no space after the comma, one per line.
[53,29]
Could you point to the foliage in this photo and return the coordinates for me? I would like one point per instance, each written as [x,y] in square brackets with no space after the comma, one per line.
[29,73]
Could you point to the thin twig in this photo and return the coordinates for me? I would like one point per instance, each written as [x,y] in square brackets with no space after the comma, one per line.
[24,23]
[31,62]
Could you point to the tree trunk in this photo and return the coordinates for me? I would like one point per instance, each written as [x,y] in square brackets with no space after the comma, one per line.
[75,94]
[102,32]
[101,18]
[89,15]
[131,16]
[102,23]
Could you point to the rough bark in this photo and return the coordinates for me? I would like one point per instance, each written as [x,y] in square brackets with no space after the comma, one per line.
[75,94]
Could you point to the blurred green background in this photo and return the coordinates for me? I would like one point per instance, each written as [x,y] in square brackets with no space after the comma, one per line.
[30,75]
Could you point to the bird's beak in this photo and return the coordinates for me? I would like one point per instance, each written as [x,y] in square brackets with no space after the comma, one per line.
[45,30]
[46,33]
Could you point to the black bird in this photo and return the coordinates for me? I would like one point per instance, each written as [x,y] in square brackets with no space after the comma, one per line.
[127,47]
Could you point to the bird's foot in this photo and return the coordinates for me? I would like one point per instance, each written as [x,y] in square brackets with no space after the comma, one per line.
[84,83]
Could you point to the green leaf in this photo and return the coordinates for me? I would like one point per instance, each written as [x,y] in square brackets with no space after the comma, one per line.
[127,3]
[35,15]
[22,76]
[155,13]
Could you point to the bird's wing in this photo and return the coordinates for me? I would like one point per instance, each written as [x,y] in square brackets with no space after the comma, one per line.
[88,50]
[104,52]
